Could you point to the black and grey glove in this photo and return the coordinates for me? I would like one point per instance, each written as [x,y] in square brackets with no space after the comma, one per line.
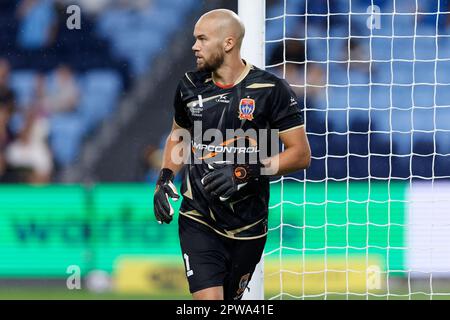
[226,179]
[164,189]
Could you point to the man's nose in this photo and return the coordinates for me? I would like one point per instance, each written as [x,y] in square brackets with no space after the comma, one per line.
[195,46]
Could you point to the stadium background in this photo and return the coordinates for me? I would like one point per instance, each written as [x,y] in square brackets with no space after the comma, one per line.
[92,106]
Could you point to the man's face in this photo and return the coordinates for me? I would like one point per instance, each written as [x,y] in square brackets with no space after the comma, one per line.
[208,46]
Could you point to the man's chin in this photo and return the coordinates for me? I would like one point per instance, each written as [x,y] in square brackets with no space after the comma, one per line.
[203,67]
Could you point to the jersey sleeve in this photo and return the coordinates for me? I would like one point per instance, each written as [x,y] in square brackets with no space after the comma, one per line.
[285,112]
[181,116]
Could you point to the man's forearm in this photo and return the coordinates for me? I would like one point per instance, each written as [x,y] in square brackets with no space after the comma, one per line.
[288,161]
[168,155]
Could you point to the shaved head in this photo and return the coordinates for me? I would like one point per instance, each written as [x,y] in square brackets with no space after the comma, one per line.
[219,34]
[226,24]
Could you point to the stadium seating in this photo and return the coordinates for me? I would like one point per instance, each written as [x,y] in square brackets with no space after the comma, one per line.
[116,37]
[100,92]
[23,82]
[138,35]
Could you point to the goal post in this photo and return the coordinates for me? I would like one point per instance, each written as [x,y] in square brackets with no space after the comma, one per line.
[253,14]
[369,218]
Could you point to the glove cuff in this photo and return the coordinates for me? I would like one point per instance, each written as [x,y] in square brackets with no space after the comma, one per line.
[165,175]
[245,172]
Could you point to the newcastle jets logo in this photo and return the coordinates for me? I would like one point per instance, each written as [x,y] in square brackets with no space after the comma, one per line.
[246,108]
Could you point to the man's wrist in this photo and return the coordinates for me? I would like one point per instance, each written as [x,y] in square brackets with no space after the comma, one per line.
[245,172]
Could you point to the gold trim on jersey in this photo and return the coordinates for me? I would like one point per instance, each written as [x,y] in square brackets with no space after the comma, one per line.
[191,215]
[186,74]
[239,230]
[302,125]
[188,192]
[244,73]
[212,214]
[260,85]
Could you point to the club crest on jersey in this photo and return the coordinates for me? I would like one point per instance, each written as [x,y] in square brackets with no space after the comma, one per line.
[246,108]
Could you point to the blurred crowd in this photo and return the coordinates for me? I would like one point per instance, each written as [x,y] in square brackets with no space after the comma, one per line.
[25,155]
[40,21]
[58,85]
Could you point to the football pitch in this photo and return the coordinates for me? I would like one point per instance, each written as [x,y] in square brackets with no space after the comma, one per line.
[24,293]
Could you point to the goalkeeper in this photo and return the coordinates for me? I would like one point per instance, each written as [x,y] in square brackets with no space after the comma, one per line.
[223,215]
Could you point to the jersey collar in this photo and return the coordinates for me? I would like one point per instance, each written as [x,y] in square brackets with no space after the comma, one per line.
[244,73]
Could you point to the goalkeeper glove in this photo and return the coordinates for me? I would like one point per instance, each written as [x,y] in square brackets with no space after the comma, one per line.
[226,179]
[164,189]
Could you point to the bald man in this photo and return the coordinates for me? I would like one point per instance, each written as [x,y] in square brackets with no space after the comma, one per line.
[223,215]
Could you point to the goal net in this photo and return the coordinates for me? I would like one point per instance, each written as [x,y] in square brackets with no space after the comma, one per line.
[369,218]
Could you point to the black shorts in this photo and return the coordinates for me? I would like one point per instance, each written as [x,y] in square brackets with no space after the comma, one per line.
[213,260]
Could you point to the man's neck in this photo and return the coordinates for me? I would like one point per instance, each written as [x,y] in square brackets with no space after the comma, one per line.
[229,72]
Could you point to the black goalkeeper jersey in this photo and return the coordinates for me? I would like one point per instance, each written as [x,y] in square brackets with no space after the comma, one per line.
[258,100]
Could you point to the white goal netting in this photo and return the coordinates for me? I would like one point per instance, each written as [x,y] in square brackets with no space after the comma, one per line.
[369,218]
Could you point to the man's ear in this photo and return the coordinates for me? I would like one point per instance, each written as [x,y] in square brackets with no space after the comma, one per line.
[229,44]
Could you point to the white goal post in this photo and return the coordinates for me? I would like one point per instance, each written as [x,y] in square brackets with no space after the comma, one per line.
[369,218]
[253,14]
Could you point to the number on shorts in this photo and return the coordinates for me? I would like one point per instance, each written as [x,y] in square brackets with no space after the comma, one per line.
[189,272]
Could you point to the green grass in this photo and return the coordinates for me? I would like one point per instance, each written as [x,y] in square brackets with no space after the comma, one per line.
[24,293]
[34,293]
